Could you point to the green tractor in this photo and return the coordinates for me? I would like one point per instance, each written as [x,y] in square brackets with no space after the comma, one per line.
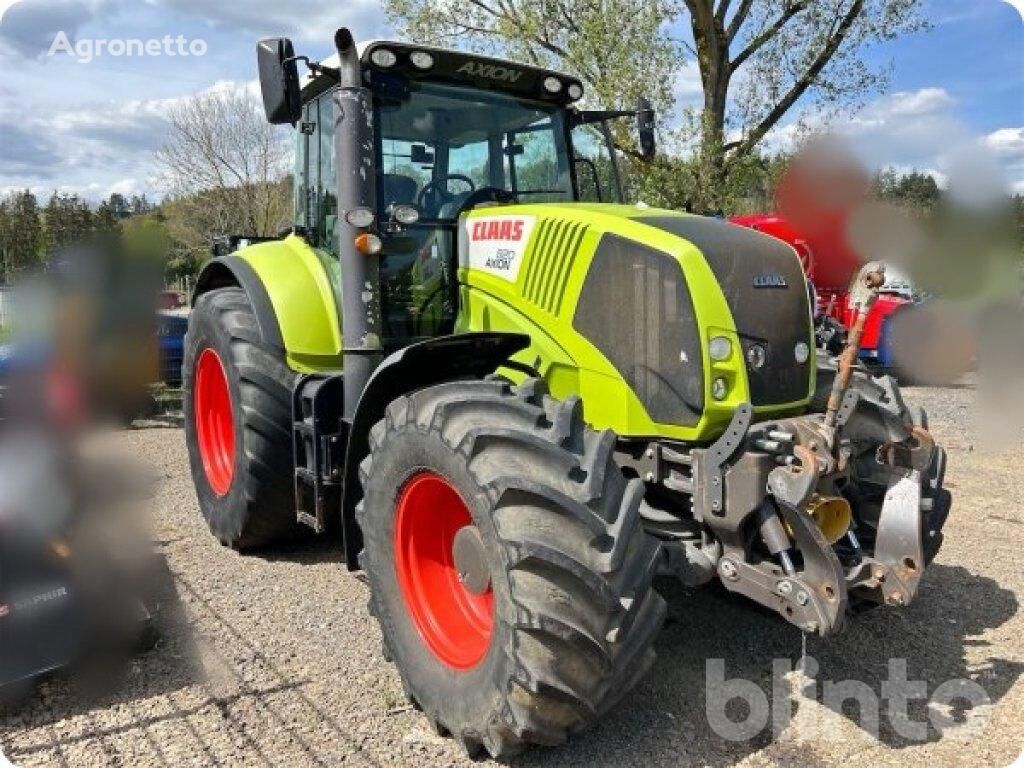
[517,400]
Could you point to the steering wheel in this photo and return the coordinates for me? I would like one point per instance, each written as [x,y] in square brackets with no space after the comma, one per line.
[438,187]
[482,195]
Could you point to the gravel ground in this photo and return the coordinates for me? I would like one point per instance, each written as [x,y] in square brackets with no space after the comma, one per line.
[274,660]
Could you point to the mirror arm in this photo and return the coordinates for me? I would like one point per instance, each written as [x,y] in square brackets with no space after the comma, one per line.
[589,116]
[314,67]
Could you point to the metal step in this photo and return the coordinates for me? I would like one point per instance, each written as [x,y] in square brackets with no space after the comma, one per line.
[319,439]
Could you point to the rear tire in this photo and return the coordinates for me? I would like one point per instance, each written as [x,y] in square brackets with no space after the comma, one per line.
[242,463]
[573,615]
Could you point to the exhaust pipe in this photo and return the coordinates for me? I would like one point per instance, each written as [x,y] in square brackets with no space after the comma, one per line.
[355,177]
[349,71]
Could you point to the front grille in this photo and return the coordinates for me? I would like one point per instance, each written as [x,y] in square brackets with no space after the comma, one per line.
[765,287]
[557,242]
[636,309]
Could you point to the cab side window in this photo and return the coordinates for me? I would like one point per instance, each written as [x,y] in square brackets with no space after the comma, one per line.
[326,197]
[535,164]
[316,203]
[302,156]
[593,165]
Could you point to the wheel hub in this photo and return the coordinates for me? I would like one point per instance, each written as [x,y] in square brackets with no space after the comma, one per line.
[471,560]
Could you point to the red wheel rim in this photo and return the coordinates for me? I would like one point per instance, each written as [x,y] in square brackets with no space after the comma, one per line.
[455,624]
[215,426]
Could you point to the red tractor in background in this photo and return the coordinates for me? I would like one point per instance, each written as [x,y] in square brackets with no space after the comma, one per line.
[830,266]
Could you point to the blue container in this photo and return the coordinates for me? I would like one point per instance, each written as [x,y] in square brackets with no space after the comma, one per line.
[171,327]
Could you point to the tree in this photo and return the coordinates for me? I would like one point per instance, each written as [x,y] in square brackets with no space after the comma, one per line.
[149,237]
[223,165]
[138,206]
[757,58]
[1018,218]
[20,233]
[915,190]
[119,206]
[617,47]
[105,218]
[5,228]
[67,219]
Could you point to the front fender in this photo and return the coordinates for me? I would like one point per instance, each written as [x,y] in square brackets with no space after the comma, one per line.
[424,364]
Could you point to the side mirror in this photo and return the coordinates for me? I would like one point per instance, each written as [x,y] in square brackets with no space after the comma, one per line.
[645,129]
[279,80]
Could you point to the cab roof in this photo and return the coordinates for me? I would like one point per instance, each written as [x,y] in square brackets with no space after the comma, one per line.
[456,67]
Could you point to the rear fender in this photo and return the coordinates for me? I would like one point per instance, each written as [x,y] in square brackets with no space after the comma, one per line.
[231,271]
[291,288]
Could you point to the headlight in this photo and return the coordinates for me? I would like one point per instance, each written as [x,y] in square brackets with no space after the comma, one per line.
[719,389]
[360,217]
[421,59]
[757,356]
[405,214]
[383,58]
[719,348]
[552,84]
[575,91]
[802,352]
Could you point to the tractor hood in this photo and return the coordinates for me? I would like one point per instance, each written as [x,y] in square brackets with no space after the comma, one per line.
[639,293]
[764,284]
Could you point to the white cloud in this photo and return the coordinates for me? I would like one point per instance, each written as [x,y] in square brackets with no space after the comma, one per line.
[926,101]
[93,149]
[1006,142]
[1006,147]
[94,128]
[915,130]
[311,20]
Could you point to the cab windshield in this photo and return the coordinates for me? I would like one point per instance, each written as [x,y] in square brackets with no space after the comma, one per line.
[439,144]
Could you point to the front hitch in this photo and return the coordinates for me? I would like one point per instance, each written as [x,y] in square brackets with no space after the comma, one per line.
[758,489]
[813,599]
[792,488]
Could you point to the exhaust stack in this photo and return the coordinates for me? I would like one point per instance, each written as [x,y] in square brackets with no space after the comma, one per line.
[355,174]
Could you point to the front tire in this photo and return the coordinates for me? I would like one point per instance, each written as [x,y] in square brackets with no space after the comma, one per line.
[237,403]
[550,618]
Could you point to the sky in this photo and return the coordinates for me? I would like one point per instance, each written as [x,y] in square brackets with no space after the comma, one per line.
[91,126]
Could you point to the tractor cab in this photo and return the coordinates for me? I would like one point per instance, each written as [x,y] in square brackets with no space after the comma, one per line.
[450,132]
